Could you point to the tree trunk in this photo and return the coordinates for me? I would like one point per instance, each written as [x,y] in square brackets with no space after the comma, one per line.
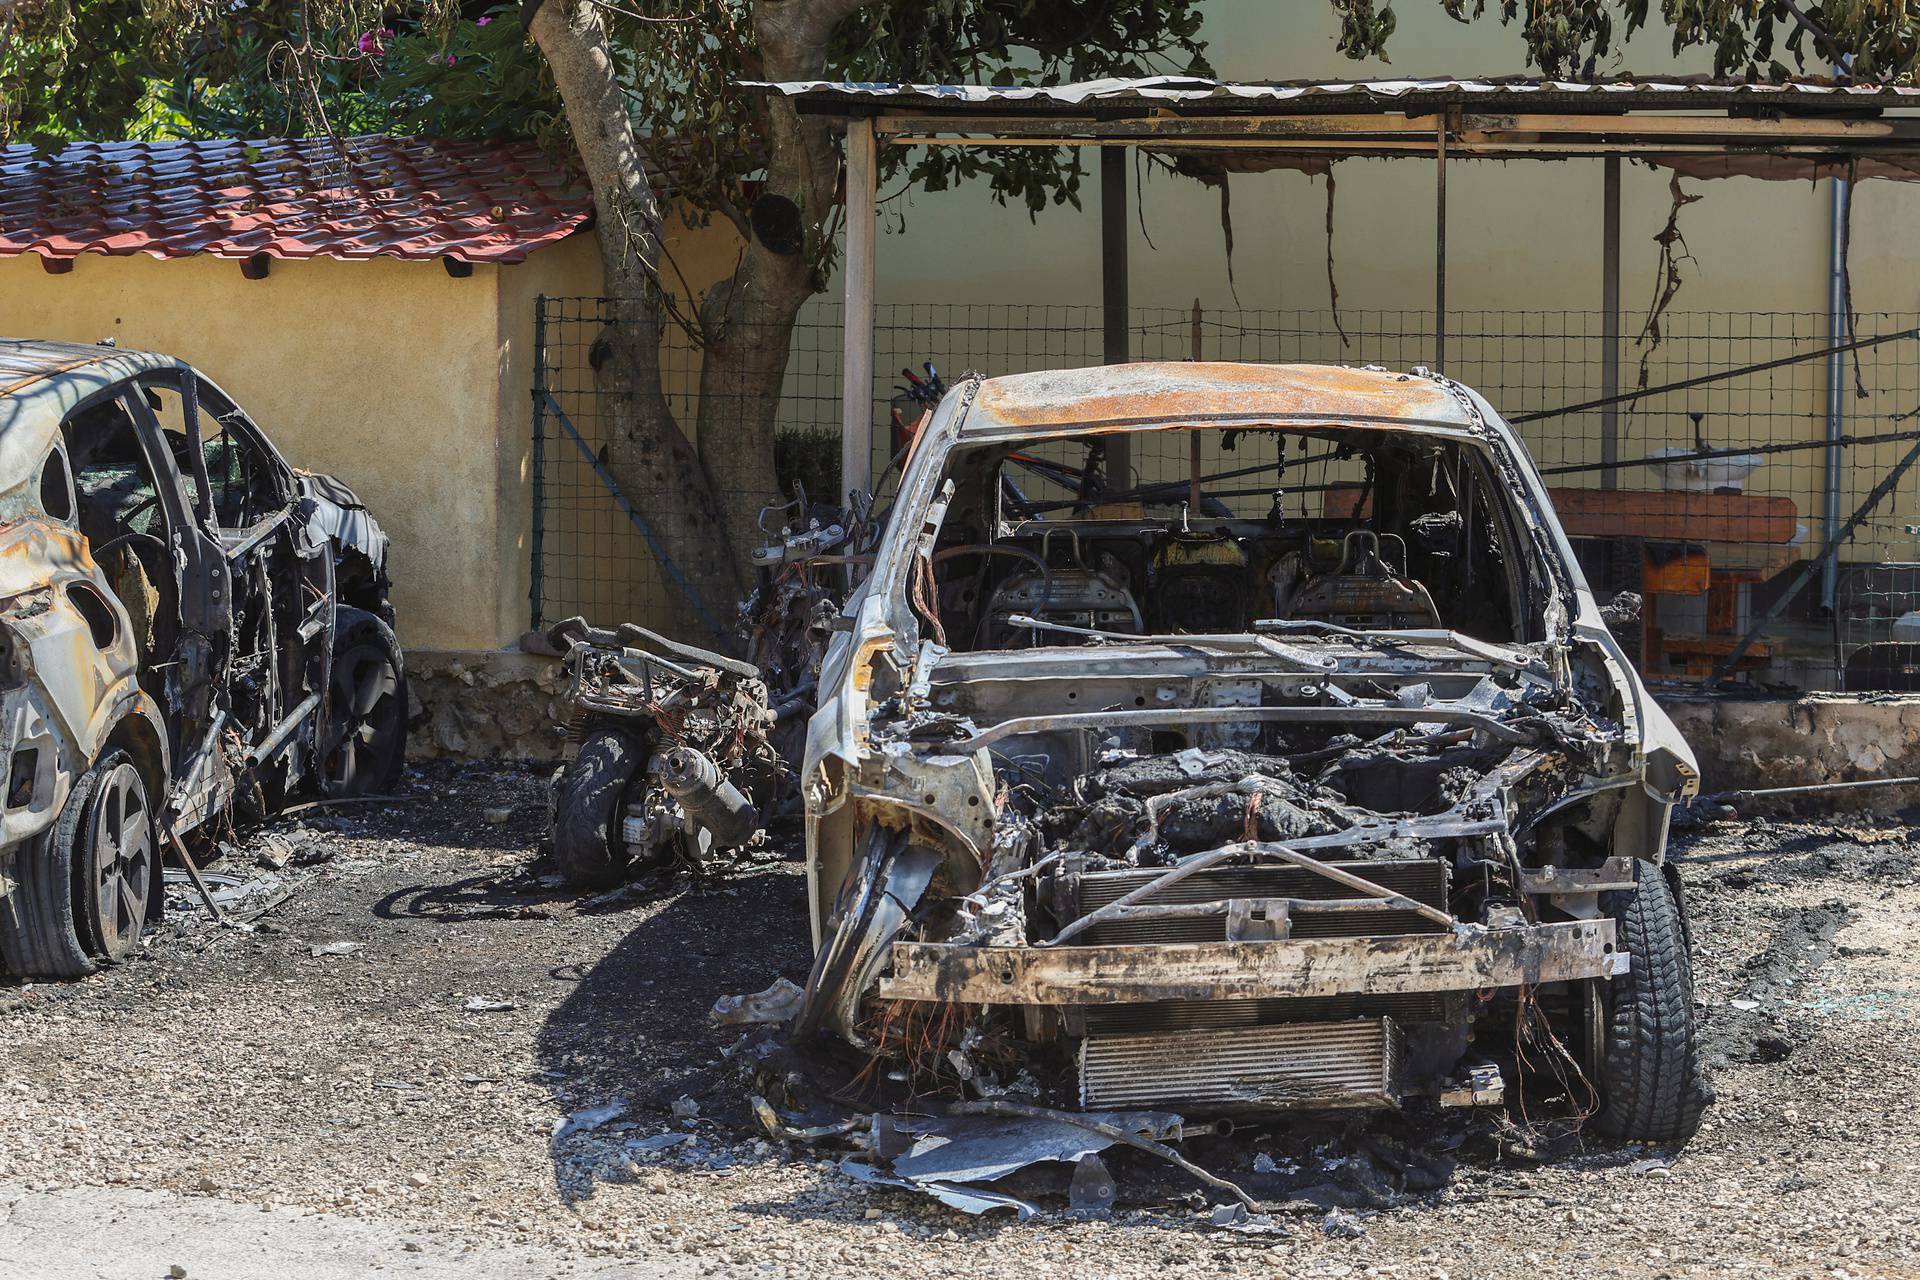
[748,320]
[646,450]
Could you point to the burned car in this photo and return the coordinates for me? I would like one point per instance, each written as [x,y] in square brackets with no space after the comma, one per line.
[189,629]
[1233,737]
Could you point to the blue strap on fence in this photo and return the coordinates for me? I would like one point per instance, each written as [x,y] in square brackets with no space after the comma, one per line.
[639,522]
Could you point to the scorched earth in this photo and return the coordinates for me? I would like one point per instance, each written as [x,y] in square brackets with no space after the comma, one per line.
[432,1060]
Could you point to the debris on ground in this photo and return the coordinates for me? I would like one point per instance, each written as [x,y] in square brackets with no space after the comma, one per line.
[590,1118]
[778,1003]
[1807,1163]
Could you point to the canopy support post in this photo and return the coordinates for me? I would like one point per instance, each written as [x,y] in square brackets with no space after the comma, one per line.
[1841,197]
[1610,321]
[1113,294]
[1440,245]
[856,357]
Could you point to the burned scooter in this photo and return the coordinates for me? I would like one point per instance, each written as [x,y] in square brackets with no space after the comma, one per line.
[684,752]
[675,763]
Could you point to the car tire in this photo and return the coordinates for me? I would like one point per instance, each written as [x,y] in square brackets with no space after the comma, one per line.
[366,734]
[118,861]
[588,804]
[1651,1085]
[41,919]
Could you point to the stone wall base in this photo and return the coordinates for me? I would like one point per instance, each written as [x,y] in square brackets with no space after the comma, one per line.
[498,704]
[1792,742]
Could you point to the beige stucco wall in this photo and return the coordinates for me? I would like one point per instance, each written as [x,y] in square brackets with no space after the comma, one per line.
[409,384]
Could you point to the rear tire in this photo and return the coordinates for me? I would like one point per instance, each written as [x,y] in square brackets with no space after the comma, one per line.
[588,805]
[41,919]
[1650,1082]
[121,861]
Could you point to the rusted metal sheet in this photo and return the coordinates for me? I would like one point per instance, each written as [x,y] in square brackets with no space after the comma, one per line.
[1175,392]
[1506,93]
[1468,959]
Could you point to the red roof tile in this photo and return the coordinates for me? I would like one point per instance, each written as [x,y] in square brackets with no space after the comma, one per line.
[411,198]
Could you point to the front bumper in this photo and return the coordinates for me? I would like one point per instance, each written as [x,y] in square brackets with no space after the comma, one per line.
[1469,958]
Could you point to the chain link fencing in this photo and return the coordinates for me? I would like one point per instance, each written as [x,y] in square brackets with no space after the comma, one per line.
[1715,504]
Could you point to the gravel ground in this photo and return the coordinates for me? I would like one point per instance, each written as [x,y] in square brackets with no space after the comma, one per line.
[347,1089]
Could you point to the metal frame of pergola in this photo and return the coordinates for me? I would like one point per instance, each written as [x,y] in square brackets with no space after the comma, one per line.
[1802,130]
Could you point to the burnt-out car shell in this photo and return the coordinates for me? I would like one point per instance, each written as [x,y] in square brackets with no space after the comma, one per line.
[183,620]
[1273,860]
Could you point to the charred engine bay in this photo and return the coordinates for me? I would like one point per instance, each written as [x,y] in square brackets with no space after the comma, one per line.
[1245,789]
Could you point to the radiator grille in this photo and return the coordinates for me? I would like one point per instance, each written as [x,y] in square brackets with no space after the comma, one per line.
[1297,1066]
[1422,879]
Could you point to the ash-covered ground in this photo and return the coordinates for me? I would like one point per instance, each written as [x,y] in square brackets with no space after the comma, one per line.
[382,1075]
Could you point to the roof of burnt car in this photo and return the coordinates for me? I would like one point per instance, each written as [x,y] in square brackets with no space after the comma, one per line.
[41,382]
[24,361]
[1181,393]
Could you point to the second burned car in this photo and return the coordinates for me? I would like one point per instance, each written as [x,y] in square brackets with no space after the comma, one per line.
[189,629]
[1302,773]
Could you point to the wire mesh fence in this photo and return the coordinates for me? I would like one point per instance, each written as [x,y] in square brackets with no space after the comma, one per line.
[1713,503]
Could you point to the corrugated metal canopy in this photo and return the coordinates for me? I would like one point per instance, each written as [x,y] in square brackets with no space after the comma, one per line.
[1497,93]
[1799,129]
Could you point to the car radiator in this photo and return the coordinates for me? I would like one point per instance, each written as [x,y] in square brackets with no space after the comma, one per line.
[1325,1052]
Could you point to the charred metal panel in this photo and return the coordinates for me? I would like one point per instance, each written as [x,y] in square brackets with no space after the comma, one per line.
[1467,960]
[1423,880]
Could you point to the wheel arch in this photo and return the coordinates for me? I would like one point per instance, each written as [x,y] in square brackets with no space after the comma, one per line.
[139,735]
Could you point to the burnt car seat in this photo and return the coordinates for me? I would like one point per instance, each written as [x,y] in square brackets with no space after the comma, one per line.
[1364,591]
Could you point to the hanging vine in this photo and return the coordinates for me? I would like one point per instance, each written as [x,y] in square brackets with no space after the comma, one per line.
[1673,251]
[1333,290]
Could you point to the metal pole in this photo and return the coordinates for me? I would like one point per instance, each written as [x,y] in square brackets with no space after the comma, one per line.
[537,542]
[1113,292]
[1840,197]
[856,358]
[1193,437]
[1440,247]
[1719,375]
[1610,320]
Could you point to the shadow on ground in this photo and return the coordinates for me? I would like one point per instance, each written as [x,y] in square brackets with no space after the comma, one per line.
[635,1026]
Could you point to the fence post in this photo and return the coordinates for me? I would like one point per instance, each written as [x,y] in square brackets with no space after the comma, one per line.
[1193,437]
[538,538]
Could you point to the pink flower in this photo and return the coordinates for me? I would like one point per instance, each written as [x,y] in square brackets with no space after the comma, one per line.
[481,22]
[369,43]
